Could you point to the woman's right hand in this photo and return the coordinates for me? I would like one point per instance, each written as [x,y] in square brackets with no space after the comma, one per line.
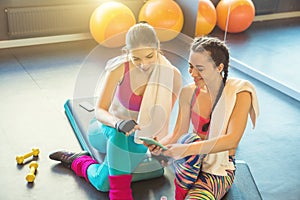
[127,126]
[135,128]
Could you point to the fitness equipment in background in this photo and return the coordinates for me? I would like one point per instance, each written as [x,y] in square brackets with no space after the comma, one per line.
[165,16]
[234,16]
[206,18]
[109,23]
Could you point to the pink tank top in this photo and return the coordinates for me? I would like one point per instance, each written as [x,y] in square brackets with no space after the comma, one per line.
[197,120]
[125,94]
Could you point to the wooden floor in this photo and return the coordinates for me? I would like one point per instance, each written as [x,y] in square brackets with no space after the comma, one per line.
[36,81]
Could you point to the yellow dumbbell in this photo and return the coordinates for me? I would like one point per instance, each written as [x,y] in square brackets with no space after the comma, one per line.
[31,175]
[34,152]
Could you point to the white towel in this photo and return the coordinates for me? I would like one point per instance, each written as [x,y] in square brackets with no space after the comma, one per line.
[156,106]
[218,163]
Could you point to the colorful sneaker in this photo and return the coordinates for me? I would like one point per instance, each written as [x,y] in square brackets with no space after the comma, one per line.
[66,158]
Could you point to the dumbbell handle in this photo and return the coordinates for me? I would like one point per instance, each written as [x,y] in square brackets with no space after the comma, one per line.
[34,152]
[27,155]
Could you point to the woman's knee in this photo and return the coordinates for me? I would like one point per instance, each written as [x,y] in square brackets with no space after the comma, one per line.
[189,138]
[96,136]
[188,168]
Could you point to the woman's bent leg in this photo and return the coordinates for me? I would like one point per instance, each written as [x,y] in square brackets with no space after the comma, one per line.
[123,155]
[116,145]
[186,169]
[117,166]
[209,186]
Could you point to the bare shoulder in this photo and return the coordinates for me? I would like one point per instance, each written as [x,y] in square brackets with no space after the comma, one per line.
[117,73]
[177,77]
[177,81]
[187,93]
[177,73]
[189,87]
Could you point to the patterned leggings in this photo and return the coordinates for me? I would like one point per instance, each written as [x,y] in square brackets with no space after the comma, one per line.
[200,185]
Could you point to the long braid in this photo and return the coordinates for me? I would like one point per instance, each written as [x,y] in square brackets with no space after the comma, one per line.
[226,61]
[218,49]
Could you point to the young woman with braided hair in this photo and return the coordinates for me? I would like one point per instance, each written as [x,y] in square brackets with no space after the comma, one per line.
[218,109]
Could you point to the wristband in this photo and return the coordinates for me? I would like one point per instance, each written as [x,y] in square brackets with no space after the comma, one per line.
[125,126]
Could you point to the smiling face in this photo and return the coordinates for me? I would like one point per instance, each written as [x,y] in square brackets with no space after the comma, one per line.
[144,59]
[203,69]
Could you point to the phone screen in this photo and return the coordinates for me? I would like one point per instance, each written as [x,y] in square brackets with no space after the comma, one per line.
[87,106]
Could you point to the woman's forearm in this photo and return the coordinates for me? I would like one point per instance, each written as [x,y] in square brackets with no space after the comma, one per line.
[168,139]
[215,145]
[176,135]
[106,118]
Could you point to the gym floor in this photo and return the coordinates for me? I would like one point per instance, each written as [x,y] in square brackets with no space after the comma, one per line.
[36,81]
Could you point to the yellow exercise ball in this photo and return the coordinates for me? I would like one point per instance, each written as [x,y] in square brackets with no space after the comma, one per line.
[165,16]
[206,18]
[109,23]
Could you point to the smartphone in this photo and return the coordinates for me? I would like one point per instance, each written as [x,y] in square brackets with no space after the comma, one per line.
[87,106]
[151,141]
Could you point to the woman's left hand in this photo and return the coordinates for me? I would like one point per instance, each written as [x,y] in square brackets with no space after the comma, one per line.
[155,150]
[176,151]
